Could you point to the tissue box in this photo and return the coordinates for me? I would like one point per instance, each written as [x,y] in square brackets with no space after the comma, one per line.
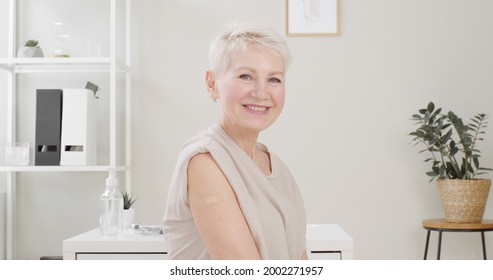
[17,154]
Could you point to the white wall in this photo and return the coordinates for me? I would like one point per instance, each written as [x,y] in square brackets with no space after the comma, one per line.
[343,131]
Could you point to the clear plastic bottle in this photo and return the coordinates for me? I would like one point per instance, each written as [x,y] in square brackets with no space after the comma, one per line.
[111,215]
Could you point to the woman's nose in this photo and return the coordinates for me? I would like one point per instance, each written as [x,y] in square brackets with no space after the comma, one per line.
[261,91]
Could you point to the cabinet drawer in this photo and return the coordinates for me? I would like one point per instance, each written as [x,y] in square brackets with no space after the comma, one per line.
[324,255]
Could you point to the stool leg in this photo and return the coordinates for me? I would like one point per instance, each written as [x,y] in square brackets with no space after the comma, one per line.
[484,245]
[439,244]
[427,242]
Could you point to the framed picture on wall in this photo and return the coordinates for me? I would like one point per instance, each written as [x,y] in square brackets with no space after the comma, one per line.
[312,17]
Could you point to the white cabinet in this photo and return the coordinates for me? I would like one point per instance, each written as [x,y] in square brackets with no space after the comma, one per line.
[129,246]
[323,241]
[116,62]
[328,241]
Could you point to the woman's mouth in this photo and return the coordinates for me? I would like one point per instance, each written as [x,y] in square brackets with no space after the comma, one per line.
[256,108]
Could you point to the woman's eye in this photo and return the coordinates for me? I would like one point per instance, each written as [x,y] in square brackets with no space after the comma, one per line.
[245,77]
[275,80]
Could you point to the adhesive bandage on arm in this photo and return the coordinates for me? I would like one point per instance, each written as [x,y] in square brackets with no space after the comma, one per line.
[211,200]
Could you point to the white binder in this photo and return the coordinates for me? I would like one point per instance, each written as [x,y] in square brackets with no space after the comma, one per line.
[79,127]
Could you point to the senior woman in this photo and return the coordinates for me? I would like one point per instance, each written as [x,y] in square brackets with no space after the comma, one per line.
[230,197]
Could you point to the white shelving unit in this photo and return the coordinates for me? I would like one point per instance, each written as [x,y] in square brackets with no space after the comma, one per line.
[112,65]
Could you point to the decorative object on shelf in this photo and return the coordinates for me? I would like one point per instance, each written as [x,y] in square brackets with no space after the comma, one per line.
[92,49]
[30,49]
[17,153]
[61,35]
[94,88]
[128,211]
[445,138]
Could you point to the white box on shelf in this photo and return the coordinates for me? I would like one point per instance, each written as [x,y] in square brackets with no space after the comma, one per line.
[79,126]
[17,154]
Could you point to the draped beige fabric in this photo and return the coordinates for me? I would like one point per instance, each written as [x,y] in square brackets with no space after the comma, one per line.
[272,205]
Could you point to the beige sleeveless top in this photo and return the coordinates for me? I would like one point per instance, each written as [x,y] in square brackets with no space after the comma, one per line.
[272,205]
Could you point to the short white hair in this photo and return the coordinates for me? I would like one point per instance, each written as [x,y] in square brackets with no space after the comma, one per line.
[238,36]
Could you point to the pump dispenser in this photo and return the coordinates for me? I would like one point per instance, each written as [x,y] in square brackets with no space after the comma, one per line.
[111,206]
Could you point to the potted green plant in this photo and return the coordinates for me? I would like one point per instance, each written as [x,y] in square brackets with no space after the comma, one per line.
[128,211]
[30,49]
[455,161]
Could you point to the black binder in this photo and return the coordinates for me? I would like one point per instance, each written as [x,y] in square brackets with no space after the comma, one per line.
[48,126]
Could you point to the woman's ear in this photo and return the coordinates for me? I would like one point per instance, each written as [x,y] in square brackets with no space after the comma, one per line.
[210,81]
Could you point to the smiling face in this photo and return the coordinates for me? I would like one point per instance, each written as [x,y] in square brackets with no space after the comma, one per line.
[251,90]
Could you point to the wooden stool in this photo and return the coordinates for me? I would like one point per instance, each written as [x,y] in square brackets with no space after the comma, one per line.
[441,225]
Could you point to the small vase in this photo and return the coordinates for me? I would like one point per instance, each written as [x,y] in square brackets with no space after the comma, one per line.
[61,51]
[30,52]
[128,217]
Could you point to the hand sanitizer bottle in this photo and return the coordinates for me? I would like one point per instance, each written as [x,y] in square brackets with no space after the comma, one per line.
[111,201]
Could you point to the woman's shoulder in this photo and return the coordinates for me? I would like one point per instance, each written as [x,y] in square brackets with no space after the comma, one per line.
[201,160]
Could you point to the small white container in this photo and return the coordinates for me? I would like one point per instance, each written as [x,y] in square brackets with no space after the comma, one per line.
[128,218]
[17,154]
[30,52]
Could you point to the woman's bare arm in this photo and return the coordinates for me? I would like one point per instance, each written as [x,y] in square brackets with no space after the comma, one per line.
[216,212]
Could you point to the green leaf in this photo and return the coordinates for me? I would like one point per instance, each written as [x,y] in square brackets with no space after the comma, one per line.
[446,137]
[485,168]
[442,170]
[434,116]
[431,173]
[445,126]
[431,107]
[426,117]
[476,161]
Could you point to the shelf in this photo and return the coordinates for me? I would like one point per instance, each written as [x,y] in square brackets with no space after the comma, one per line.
[111,65]
[31,168]
[60,64]
[54,60]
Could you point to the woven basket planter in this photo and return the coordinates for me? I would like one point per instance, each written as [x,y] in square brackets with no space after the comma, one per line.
[464,201]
